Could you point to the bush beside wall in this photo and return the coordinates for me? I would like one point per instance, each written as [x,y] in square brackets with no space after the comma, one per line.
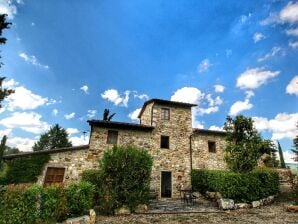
[24,204]
[241,187]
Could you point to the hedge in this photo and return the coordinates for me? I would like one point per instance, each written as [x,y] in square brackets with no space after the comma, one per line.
[32,204]
[241,187]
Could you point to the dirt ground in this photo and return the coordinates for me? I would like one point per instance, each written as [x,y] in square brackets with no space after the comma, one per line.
[274,213]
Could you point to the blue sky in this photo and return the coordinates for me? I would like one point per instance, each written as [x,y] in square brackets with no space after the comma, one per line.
[68,60]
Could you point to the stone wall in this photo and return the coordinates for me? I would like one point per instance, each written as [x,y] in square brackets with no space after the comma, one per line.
[146,115]
[201,157]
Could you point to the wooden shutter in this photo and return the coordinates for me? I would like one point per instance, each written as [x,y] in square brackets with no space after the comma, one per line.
[54,175]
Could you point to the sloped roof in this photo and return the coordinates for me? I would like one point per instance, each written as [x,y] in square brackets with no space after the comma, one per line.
[206,131]
[120,125]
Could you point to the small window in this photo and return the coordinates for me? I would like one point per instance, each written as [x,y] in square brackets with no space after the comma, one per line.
[164,142]
[211,146]
[112,137]
[165,113]
[54,176]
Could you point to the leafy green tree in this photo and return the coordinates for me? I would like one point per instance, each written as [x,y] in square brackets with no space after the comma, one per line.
[295,150]
[244,144]
[11,150]
[281,156]
[4,92]
[56,137]
[2,148]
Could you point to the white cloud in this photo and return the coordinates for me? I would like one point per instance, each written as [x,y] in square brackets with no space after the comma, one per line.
[219,88]
[249,94]
[274,51]
[282,126]
[27,121]
[293,44]
[9,84]
[32,60]
[258,37]
[69,116]
[289,13]
[254,78]
[288,156]
[204,66]
[113,96]
[292,87]
[197,124]
[141,96]
[23,144]
[215,128]
[91,113]
[81,140]
[72,131]
[6,132]
[55,112]
[134,115]
[85,89]
[24,99]
[292,32]
[239,106]
[188,95]
[7,7]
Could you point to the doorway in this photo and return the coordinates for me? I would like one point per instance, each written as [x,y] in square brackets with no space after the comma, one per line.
[166,184]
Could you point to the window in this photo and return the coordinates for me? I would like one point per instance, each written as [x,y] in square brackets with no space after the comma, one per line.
[211,146]
[112,137]
[54,176]
[164,142]
[165,113]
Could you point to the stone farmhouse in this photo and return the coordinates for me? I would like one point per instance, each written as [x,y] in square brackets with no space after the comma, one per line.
[165,130]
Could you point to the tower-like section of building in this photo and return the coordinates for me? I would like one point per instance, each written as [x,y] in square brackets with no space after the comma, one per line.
[171,144]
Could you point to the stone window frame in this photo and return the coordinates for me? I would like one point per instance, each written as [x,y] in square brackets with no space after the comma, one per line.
[55,165]
[210,148]
[168,141]
[109,138]
[165,116]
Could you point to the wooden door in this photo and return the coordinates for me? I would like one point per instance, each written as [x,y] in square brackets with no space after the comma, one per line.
[166,184]
[54,175]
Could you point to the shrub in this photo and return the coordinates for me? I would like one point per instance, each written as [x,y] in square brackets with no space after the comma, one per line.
[241,187]
[126,172]
[79,198]
[24,170]
[94,176]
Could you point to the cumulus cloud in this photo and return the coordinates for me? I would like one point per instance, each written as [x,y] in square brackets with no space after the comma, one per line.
[141,96]
[117,99]
[258,37]
[292,32]
[85,89]
[215,128]
[282,126]
[27,121]
[134,115]
[240,106]
[204,65]
[32,60]
[55,112]
[8,7]
[274,51]
[288,156]
[91,113]
[79,140]
[72,131]
[255,77]
[195,96]
[23,144]
[219,88]
[293,45]
[292,87]
[69,116]
[24,99]
[11,83]
[5,132]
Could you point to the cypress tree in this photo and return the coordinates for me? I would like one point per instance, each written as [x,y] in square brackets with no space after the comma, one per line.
[281,156]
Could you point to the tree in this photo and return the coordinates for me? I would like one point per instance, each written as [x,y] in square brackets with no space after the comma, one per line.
[281,156]
[295,150]
[106,116]
[244,144]
[56,137]
[11,150]
[2,148]
[4,92]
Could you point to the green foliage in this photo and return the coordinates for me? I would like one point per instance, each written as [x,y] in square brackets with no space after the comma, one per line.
[79,198]
[56,137]
[281,156]
[126,172]
[11,150]
[24,170]
[24,204]
[2,148]
[94,176]
[295,144]
[244,144]
[241,187]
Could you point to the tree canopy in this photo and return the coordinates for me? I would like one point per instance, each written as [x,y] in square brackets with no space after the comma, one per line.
[295,144]
[56,137]
[244,144]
